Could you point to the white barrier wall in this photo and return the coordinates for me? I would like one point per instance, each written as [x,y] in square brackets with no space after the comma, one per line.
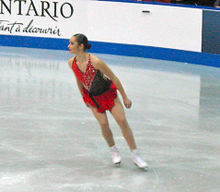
[105,21]
[164,26]
[49,18]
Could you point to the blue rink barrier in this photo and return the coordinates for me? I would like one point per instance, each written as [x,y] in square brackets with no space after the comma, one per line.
[211,32]
[116,49]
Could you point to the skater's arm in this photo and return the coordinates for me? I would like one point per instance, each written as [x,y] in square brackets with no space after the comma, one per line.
[106,70]
[70,62]
[79,84]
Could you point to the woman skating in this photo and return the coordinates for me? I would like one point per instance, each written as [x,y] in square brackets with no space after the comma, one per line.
[98,86]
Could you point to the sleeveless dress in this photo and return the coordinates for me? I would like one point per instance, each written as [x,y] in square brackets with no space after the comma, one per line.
[98,91]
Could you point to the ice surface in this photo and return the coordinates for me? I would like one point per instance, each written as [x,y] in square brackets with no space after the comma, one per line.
[50,141]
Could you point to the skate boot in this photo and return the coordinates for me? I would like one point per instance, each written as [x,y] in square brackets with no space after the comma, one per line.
[116,158]
[138,161]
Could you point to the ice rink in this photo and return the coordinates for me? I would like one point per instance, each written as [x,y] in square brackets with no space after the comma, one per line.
[51,142]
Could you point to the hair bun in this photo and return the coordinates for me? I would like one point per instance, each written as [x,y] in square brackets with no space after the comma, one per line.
[89,46]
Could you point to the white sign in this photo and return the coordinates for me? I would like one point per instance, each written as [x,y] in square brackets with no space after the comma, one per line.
[46,18]
[164,26]
[104,21]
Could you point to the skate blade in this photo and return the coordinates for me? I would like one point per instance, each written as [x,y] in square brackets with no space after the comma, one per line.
[117,164]
[142,168]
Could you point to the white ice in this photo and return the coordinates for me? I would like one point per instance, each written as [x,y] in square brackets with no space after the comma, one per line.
[51,142]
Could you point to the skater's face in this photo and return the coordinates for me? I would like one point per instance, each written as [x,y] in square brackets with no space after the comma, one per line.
[74,47]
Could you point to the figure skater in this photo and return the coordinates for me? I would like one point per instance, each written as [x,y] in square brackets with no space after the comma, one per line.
[98,86]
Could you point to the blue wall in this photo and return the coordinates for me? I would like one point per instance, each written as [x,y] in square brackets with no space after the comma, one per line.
[115,48]
[211,32]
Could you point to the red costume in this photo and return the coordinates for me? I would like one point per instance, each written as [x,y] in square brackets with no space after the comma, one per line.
[100,91]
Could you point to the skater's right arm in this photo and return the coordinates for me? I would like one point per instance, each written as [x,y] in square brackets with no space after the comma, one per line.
[79,84]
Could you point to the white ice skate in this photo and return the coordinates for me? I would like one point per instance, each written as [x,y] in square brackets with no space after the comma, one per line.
[138,161]
[116,158]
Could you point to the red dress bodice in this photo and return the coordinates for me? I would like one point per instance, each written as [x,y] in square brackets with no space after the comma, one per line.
[87,77]
[92,80]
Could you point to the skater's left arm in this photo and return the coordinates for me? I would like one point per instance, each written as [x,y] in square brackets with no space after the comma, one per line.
[99,64]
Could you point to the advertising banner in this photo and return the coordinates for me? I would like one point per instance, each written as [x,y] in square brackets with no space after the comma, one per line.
[46,18]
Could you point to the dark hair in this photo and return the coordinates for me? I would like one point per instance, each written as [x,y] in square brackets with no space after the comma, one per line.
[82,39]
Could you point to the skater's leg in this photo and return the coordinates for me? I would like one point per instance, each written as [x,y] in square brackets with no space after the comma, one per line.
[118,113]
[103,122]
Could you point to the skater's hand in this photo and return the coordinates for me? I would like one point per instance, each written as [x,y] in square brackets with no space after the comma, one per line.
[127,102]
